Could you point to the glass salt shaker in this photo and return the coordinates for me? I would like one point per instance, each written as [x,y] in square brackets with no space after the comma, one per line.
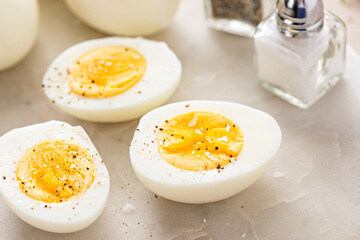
[300,51]
[238,17]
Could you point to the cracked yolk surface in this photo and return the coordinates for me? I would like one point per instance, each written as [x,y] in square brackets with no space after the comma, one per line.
[201,140]
[55,171]
[106,71]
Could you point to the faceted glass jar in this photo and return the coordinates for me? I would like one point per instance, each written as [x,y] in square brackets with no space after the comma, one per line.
[238,17]
[300,70]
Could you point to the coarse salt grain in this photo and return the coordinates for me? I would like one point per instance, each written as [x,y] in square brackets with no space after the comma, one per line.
[211,157]
[227,128]
[128,208]
[192,122]
[224,139]
[278,174]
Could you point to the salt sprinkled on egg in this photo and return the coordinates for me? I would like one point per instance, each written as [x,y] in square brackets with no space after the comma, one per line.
[112,79]
[203,151]
[65,189]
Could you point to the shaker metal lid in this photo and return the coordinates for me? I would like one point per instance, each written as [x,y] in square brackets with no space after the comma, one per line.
[299,18]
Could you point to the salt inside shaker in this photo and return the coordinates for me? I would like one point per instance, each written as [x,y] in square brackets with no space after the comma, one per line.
[300,51]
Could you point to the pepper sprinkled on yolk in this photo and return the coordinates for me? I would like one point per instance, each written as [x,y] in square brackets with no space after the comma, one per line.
[197,141]
[106,71]
[55,171]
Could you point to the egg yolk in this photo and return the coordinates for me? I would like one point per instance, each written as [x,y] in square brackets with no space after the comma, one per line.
[106,71]
[55,171]
[197,141]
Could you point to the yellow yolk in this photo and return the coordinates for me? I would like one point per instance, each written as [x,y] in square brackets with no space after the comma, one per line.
[55,171]
[197,141]
[106,71]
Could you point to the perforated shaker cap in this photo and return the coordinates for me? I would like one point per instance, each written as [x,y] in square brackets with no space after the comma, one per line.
[299,18]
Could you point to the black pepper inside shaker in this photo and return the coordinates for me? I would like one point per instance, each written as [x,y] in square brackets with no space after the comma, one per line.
[237,16]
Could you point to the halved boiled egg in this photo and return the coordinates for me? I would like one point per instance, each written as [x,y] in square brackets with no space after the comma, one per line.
[112,79]
[52,176]
[203,151]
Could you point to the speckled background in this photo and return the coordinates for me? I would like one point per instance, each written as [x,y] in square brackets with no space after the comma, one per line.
[319,196]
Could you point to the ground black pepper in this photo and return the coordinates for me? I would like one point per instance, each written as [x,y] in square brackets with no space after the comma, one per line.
[245,10]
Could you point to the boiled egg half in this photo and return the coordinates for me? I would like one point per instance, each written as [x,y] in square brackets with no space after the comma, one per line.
[203,151]
[112,79]
[52,176]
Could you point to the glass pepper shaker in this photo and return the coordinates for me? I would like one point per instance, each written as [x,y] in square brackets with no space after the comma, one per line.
[300,51]
[237,16]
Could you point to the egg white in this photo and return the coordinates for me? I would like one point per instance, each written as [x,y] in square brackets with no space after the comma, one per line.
[161,78]
[262,138]
[53,217]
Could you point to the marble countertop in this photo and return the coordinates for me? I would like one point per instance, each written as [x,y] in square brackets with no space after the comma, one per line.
[317,198]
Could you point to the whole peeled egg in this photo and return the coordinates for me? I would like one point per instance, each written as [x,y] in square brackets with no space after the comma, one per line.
[52,176]
[203,151]
[125,17]
[19,20]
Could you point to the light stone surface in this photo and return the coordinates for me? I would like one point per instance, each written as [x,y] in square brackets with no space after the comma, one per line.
[317,198]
